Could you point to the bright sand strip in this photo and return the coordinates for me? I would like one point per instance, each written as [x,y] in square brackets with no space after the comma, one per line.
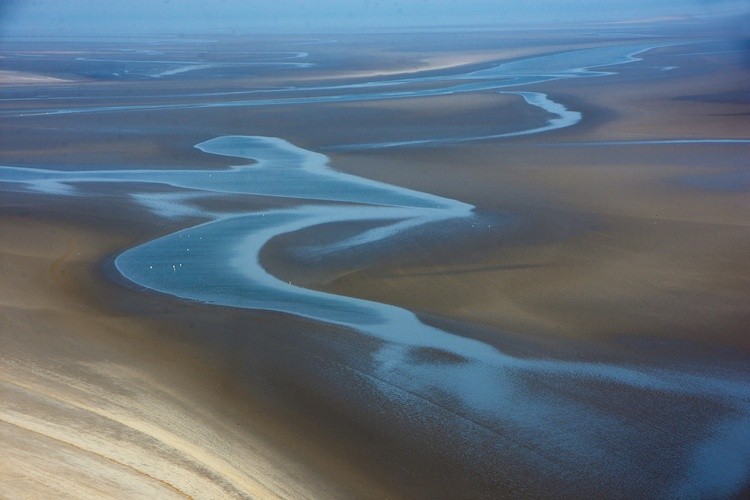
[93,404]
[449,61]
[435,63]
[22,78]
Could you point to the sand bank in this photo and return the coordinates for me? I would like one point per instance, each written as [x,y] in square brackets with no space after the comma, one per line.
[23,78]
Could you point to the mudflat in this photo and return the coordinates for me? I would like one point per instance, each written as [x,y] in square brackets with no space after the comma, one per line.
[603,269]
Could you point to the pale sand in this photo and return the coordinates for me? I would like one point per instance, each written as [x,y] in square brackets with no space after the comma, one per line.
[95,404]
[424,62]
[23,78]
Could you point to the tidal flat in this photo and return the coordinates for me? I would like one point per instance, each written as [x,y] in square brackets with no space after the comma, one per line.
[434,264]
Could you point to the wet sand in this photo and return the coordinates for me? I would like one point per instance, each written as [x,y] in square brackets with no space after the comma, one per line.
[608,257]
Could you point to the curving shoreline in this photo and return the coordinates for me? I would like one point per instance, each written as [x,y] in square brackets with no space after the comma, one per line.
[562,118]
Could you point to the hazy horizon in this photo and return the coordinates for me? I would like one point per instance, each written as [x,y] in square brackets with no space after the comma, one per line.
[89,17]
